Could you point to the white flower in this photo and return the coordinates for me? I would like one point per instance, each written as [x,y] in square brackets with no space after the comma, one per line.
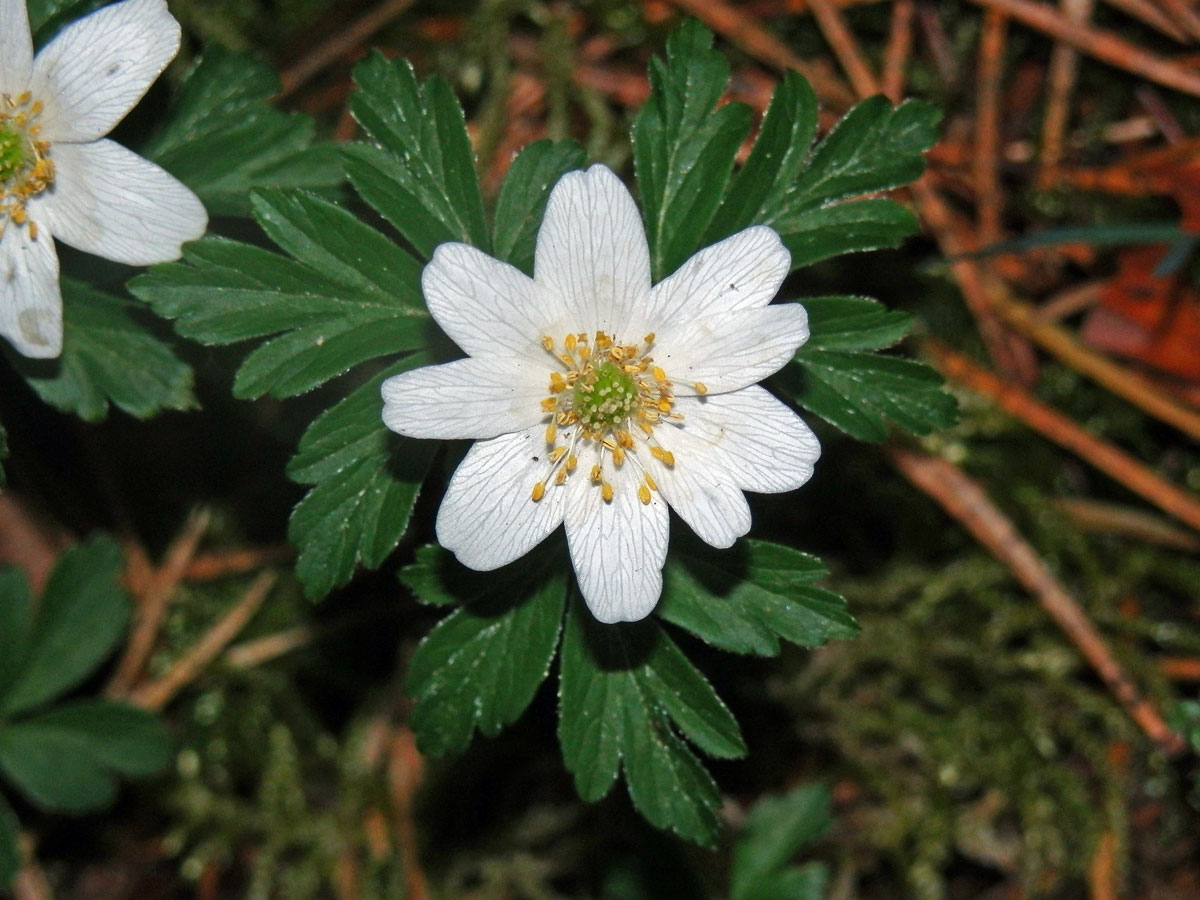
[59,179]
[597,400]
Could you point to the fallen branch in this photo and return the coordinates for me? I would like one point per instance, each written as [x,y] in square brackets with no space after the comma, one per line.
[966,502]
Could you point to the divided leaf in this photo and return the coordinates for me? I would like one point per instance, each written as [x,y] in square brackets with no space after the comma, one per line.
[836,376]
[223,138]
[860,392]
[81,616]
[776,829]
[420,173]
[69,758]
[684,145]
[10,851]
[366,480]
[809,198]
[746,599]
[108,358]
[348,295]
[523,196]
[627,697]
[482,664]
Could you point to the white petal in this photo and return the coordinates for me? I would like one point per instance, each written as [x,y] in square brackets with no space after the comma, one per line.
[30,300]
[487,517]
[702,492]
[16,47]
[467,398]
[729,351]
[743,271]
[109,201]
[757,440]
[98,67]
[617,548]
[489,307]
[592,252]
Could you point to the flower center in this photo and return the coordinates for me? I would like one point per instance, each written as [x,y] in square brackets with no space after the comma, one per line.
[610,396]
[25,167]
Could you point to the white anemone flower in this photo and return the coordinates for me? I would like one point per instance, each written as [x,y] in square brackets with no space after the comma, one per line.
[597,400]
[60,179]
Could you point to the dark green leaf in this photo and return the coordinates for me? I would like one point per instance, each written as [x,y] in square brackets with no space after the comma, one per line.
[67,758]
[108,357]
[853,323]
[684,146]
[860,392]
[779,153]
[355,296]
[875,147]
[46,17]
[778,828]
[223,139]
[747,598]
[523,197]
[10,851]
[16,620]
[624,690]
[422,177]
[81,616]
[482,664]
[818,234]
[367,480]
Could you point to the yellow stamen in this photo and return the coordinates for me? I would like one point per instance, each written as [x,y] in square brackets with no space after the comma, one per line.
[659,374]
[572,462]
[557,453]
[648,339]
[561,477]
[606,492]
[597,475]
[618,456]
[664,456]
[700,388]
[551,433]
[548,342]
[539,491]
[644,495]
[650,483]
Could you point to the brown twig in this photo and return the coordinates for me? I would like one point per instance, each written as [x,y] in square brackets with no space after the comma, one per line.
[938,43]
[845,47]
[223,563]
[1183,15]
[966,502]
[1010,354]
[898,50]
[1102,45]
[405,771]
[1102,872]
[1064,63]
[1052,424]
[1180,668]
[156,694]
[989,200]
[339,44]
[1149,14]
[1111,518]
[745,32]
[152,605]
[1101,369]
[263,650]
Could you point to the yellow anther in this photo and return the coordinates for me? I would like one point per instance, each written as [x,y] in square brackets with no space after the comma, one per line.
[539,491]
[558,384]
[551,433]
[664,456]
[664,405]
[650,482]
[606,492]
[550,404]
[547,342]
[646,427]
[572,462]
[644,495]
[659,374]
[618,456]
[570,343]
[648,339]
[557,453]
[603,341]
[33,231]
[584,351]
[700,388]
[566,359]
[624,438]
[596,475]
[561,477]
[566,417]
